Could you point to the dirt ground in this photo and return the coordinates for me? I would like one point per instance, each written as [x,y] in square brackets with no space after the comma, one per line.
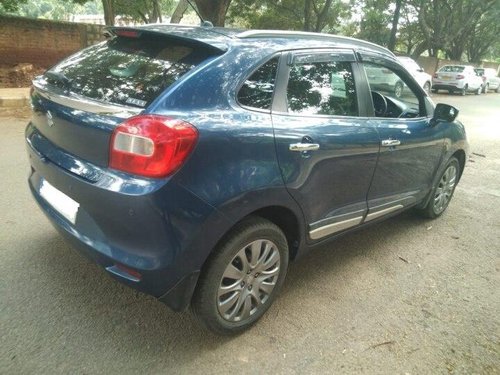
[407,296]
[19,75]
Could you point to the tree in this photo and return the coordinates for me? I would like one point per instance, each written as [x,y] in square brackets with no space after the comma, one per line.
[394,29]
[11,5]
[179,11]
[213,10]
[308,15]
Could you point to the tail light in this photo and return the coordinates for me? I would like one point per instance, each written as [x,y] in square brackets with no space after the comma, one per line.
[460,76]
[435,75]
[151,145]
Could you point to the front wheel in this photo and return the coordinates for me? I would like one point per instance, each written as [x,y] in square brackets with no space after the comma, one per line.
[243,277]
[427,87]
[398,90]
[443,190]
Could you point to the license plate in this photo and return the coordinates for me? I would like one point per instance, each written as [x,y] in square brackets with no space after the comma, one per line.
[63,204]
[446,78]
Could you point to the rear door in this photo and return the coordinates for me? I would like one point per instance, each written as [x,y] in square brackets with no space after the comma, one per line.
[327,149]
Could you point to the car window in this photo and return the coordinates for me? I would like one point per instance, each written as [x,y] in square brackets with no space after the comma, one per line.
[129,71]
[257,91]
[322,88]
[391,96]
[452,69]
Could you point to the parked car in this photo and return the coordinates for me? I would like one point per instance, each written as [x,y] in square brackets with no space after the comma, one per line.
[193,163]
[424,79]
[491,81]
[461,78]
[382,79]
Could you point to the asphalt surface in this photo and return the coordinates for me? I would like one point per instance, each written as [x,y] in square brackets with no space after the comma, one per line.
[407,296]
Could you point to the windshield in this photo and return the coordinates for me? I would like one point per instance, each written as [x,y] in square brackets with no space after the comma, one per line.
[127,71]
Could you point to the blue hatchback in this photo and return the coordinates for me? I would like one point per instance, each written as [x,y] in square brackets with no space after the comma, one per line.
[193,163]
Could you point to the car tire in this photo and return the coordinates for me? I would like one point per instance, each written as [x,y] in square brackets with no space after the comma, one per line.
[240,280]
[486,88]
[435,91]
[398,89]
[479,90]
[450,92]
[463,92]
[442,191]
[427,87]
[497,90]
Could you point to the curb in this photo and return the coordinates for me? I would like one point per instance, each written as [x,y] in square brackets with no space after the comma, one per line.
[14,97]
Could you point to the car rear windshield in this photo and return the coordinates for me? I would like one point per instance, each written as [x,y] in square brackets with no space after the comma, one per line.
[452,69]
[127,71]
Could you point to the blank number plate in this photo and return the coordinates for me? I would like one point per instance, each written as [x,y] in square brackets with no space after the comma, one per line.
[63,204]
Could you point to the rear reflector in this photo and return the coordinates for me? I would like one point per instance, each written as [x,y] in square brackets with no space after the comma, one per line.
[151,145]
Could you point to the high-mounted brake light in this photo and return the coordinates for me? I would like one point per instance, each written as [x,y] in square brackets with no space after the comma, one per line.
[151,145]
[127,33]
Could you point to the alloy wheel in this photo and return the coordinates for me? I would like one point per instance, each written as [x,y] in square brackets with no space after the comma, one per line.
[445,188]
[248,280]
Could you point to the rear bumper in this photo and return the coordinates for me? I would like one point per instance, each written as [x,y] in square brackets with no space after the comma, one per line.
[440,85]
[154,227]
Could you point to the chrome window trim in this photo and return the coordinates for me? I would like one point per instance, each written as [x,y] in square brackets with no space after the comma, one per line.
[82,103]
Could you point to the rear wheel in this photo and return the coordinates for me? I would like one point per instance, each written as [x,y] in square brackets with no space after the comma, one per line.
[479,90]
[443,191]
[486,88]
[497,90]
[464,90]
[243,277]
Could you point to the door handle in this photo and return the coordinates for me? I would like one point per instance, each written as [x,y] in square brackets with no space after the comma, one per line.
[390,142]
[304,147]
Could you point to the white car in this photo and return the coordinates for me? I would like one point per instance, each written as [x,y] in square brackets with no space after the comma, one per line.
[490,79]
[424,79]
[461,78]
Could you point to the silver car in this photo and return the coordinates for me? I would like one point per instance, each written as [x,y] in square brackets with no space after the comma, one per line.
[461,78]
[491,81]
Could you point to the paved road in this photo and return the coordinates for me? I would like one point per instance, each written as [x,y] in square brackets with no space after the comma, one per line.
[405,296]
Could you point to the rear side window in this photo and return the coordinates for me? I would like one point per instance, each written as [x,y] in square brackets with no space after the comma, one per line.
[257,91]
[322,88]
[127,71]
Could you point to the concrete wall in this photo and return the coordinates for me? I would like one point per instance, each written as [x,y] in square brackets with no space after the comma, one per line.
[43,42]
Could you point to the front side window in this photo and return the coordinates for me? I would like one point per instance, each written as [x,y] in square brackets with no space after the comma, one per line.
[391,96]
[322,88]
[257,91]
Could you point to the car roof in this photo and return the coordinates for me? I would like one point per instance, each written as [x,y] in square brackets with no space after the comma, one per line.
[222,37]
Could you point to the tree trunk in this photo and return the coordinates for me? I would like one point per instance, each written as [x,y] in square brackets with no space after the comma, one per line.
[179,11]
[307,15]
[395,21]
[109,12]
[320,20]
[213,10]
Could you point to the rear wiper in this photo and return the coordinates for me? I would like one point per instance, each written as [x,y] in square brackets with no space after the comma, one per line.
[59,78]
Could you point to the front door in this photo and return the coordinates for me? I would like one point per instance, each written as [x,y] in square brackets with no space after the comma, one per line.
[326,151]
[411,149]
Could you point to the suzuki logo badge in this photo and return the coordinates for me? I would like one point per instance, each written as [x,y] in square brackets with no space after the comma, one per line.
[50,119]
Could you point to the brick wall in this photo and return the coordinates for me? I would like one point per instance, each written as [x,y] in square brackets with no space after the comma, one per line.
[43,42]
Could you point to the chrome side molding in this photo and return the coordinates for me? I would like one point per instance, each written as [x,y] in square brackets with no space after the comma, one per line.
[328,229]
[385,211]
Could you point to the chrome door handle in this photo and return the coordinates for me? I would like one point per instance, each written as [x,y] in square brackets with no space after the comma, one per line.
[304,147]
[390,142]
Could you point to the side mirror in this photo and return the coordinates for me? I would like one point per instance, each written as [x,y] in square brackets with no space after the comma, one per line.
[444,113]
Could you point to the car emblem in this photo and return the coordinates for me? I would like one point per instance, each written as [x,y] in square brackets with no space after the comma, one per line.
[50,119]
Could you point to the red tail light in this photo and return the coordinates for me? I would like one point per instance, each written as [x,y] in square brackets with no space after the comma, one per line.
[435,75]
[460,76]
[151,145]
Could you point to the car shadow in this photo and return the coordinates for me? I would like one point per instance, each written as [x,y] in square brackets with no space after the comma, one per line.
[143,327]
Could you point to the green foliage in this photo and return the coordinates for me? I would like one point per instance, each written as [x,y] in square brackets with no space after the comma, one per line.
[10,5]
[322,15]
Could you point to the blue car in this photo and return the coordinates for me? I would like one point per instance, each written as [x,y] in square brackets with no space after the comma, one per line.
[194,163]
